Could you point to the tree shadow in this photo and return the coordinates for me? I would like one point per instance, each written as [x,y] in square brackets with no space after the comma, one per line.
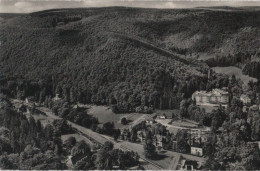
[163,151]
[129,121]
[159,157]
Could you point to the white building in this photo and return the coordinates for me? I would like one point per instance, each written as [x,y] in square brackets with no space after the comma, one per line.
[57,97]
[149,121]
[162,117]
[214,97]
[196,151]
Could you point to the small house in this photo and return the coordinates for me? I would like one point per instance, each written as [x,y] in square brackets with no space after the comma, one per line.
[27,101]
[163,116]
[159,140]
[196,150]
[140,136]
[150,121]
[57,97]
[125,134]
[245,99]
[174,145]
[187,165]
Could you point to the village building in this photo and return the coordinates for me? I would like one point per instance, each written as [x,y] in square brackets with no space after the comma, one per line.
[166,115]
[212,98]
[149,121]
[185,164]
[27,101]
[196,149]
[200,136]
[245,99]
[57,97]
[163,116]
[158,140]
[141,136]
[125,134]
[174,145]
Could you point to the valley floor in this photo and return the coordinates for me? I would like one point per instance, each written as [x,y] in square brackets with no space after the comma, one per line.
[167,160]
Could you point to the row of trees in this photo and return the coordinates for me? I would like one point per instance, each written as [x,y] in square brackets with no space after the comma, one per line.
[252,69]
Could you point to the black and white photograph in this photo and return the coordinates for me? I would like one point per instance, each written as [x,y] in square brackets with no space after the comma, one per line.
[129,85]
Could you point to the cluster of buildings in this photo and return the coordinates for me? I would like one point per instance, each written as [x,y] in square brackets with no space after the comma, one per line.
[197,138]
[218,97]
[140,138]
[211,98]
[248,104]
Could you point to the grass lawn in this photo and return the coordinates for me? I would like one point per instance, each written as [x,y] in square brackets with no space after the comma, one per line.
[234,70]
[105,114]
[184,124]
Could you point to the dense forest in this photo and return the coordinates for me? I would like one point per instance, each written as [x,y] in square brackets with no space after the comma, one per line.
[78,54]
[252,69]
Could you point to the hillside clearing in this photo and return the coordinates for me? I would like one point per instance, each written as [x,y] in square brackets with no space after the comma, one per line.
[236,71]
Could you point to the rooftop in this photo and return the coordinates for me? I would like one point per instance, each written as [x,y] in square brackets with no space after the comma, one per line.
[214,92]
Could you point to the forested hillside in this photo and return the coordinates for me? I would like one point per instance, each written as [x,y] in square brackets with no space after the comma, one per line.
[79,54]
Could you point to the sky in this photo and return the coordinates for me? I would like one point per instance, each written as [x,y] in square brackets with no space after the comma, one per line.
[27,6]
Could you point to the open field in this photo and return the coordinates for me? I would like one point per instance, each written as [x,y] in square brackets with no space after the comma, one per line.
[184,124]
[105,114]
[236,71]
